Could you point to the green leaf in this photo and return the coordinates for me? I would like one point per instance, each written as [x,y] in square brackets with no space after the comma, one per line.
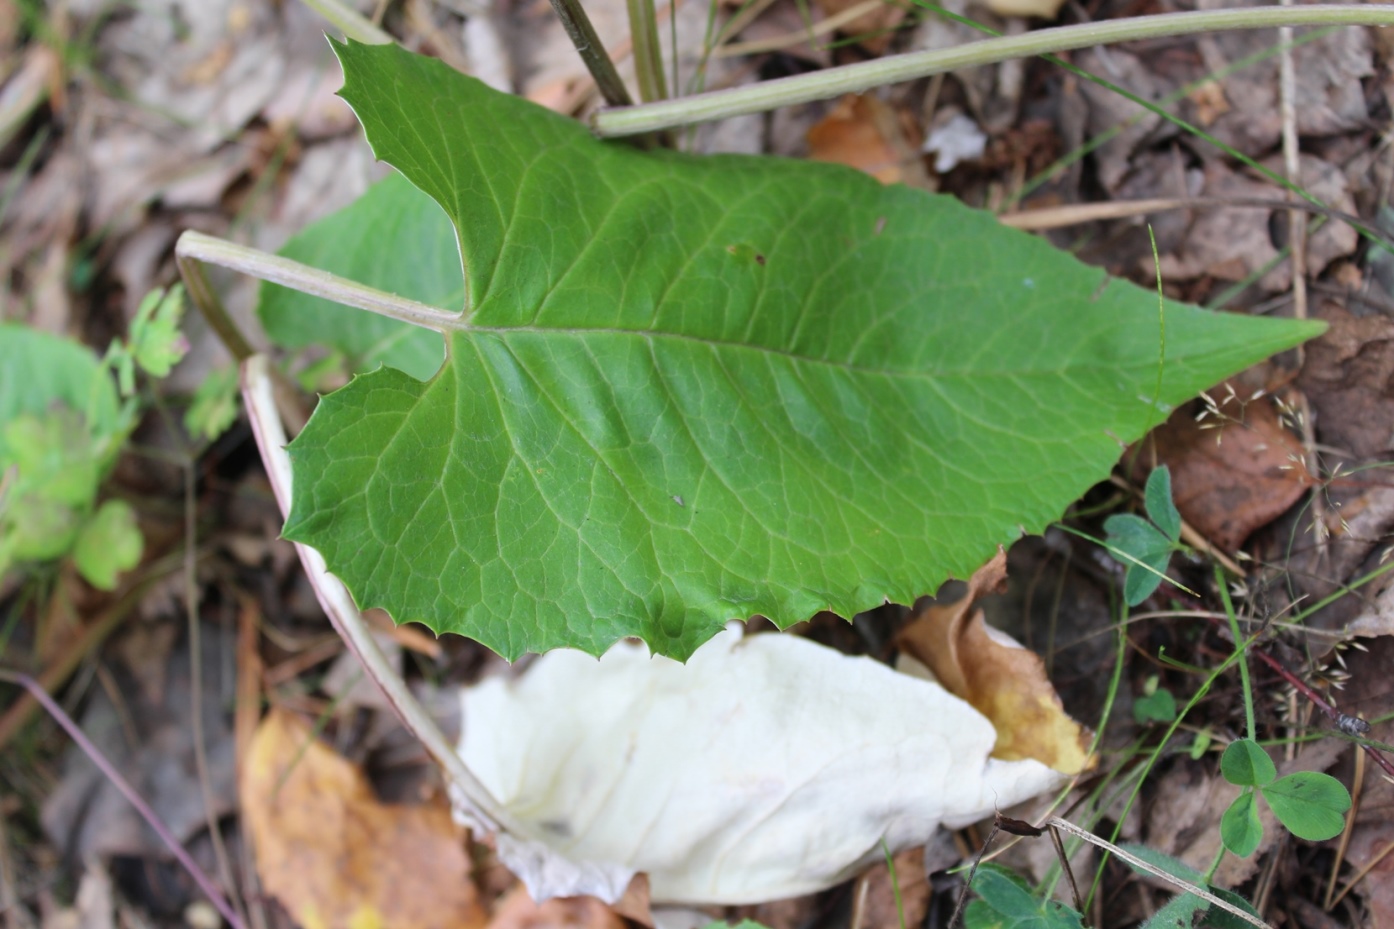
[1246,763]
[1178,913]
[1223,919]
[1180,905]
[1143,549]
[1160,508]
[978,915]
[394,238]
[1136,536]
[156,343]
[1201,744]
[1240,827]
[690,389]
[1163,862]
[1310,804]
[55,457]
[108,544]
[37,529]
[1141,580]
[214,407]
[39,371]
[1005,893]
[1006,902]
[1158,706]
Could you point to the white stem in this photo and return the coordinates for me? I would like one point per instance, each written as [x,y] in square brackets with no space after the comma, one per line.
[258,394]
[1135,861]
[855,78]
[268,267]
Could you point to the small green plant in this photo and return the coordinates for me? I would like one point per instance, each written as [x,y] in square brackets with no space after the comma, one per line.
[1146,544]
[64,418]
[1005,901]
[1156,705]
[1310,804]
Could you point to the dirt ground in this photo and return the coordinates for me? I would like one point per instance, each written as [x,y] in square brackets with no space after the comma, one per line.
[123,124]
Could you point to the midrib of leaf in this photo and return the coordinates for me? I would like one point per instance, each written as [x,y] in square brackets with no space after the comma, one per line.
[654,335]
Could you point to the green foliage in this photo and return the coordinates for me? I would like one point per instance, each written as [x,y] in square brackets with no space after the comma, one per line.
[155,343]
[214,406]
[1240,828]
[62,425]
[1311,805]
[394,238]
[38,371]
[1005,902]
[1246,763]
[1156,705]
[1181,911]
[689,389]
[109,543]
[1145,546]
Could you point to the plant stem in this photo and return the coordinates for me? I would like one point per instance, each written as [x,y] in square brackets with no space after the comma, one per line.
[648,54]
[1187,887]
[196,247]
[1241,646]
[855,78]
[592,52]
[1331,712]
[104,765]
[353,24]
[201,292]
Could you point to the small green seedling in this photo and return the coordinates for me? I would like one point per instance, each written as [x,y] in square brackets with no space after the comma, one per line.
[62,424]
[155,344]
[214,406]
[1146,545]
[1310,804]
[1156,705]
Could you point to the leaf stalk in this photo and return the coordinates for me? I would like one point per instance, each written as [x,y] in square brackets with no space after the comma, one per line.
[339,607]
[194,247]
[855,78]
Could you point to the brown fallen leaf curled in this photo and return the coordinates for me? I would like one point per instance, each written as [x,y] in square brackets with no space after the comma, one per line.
[1004,682]
[334,855]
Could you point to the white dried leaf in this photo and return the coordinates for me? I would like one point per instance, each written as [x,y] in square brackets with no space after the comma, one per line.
[765,767]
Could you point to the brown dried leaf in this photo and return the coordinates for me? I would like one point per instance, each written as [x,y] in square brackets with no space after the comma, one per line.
[1347,378]
[880,910]
[864,133]
[1368,694]
[1230,474]
[336,856]
[1006,683]
[518,911]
